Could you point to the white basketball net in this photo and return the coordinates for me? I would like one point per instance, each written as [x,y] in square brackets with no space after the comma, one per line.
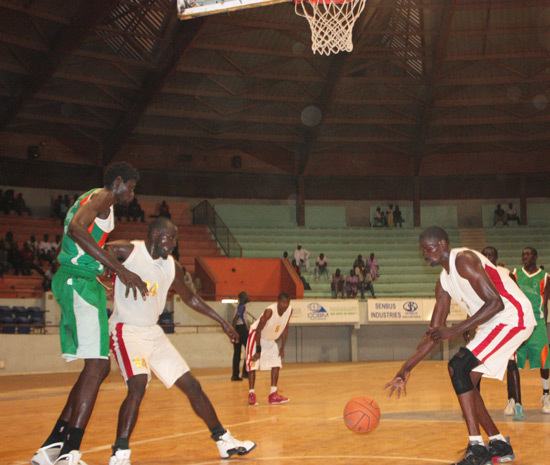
[331,23]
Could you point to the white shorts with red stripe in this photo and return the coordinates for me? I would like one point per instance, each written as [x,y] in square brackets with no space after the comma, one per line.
[269,356]
[493,346]
[140,349]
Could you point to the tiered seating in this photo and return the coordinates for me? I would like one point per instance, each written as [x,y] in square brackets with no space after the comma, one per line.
[511,241]
[403,272]
[21,286]
[23,227]
[22,320]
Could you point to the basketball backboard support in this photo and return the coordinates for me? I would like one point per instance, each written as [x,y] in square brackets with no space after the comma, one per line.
[188,9]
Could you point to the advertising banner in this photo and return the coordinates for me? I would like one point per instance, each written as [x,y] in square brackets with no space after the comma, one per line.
[395,310]
[325,311]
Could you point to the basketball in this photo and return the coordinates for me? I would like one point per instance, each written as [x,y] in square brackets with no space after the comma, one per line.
[361,414]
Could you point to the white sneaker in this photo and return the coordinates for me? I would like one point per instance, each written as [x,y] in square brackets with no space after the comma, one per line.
[46,455]
[228,446]
[72,458]
[121,457]
[545,403]
[509,410]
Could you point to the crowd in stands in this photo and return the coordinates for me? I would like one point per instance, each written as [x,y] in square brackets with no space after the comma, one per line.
[391,217]
[505,216]
[60,206]
[12,202]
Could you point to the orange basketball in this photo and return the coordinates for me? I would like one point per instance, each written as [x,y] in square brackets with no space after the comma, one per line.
[361,414]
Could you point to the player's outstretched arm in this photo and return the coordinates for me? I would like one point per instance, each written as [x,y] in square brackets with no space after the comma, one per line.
[101,203]
[283,340]
[196,303]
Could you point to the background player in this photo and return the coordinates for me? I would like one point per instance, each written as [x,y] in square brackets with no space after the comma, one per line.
[84,331]
[533,281]
[261,348]
[500,311]
[240,324]
[140,345]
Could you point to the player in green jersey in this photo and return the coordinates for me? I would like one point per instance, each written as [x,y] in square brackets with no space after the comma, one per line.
[533,281]
[84,331]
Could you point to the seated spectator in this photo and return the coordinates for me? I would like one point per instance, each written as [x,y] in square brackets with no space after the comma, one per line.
[372,267]
[56,207]
[135,212]
[15,258]
[358,261]
[389,216]
[301,256]
[500,216]
[74,199]
[48,276]
[352,283]
[298,269]
[9,201]
[397,218]
[33,245]
[378,218]
[45,250]
[28,261]
[512,214]
[20,206]
[65,205]
[365,282]
[321,266]
[188,279]
[164,210]
[337,284]
[56,245]
[5,265]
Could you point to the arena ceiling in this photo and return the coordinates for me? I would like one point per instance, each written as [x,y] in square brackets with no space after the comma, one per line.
[432,87]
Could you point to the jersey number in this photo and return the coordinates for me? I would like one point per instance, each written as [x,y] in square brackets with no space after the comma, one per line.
[140,362]
[152,289]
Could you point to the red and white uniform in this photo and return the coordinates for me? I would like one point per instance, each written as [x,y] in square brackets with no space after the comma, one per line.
[497,339]
[138,343]
[274,327]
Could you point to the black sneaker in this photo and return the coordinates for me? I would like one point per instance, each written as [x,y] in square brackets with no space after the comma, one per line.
[476,454]
[501,451]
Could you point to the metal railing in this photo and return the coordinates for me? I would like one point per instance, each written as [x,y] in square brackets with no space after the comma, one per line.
[204,213]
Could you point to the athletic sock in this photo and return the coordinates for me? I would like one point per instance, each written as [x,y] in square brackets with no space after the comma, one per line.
[475,439]
[72,440]
[251,391]
[545,385]
[217,431]
[498,437]
[121,444]
[273,389]
[58,433]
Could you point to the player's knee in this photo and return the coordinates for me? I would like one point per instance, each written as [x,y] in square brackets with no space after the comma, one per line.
[190,385]
[136,390]
[460,367]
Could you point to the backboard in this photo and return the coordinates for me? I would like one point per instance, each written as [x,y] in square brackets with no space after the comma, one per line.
[188,9]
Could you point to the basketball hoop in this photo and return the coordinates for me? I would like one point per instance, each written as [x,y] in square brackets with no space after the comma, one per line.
[331,23]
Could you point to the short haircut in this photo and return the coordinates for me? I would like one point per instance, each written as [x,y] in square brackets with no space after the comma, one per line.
[533,250]
[159,224]
[283,295]
[435,232]
[122,169]
[495,251]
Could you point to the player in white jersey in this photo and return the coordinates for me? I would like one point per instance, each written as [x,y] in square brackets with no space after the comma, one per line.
[262,351]
[140,345]
[504,319]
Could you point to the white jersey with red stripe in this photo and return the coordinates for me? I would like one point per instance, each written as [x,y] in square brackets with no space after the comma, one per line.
[517,308]
[158,275]
[275,326]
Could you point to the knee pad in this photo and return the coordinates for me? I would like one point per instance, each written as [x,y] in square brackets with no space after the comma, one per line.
[461,365]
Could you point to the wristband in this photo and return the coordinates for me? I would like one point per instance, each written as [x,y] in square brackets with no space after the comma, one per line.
[258,349]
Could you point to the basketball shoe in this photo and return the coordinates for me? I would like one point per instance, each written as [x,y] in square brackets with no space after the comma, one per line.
[72,458]
[519,413]
[252,401]
[275,398]
[476,454]
[47,455]
[500,451]
[545,399]
[121,457]
[509,410]
[228,446]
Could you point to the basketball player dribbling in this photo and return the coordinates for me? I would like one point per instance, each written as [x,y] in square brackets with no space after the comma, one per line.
[140,345]
[504,319]
[83,330]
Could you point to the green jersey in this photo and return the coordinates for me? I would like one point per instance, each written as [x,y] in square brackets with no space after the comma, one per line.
[533,286]
[71,253]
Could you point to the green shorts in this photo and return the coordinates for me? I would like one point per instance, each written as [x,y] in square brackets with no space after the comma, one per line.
[84,328]
[535,348]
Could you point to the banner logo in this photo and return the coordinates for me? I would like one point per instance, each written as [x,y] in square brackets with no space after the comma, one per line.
[410,307]
[316,312]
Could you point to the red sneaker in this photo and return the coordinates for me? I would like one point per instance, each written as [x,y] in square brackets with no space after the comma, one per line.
[275,398]
[252,399]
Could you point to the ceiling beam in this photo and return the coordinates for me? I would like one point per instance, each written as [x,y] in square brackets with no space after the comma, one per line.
[63,44]
[184,34]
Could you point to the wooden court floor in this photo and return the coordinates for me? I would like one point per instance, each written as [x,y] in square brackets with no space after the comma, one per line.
[425,427]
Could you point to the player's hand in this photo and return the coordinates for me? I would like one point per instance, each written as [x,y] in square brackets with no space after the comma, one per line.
[132,281]
[255,357]
[440,333]
[467,337]
[398,384]
[231,333]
